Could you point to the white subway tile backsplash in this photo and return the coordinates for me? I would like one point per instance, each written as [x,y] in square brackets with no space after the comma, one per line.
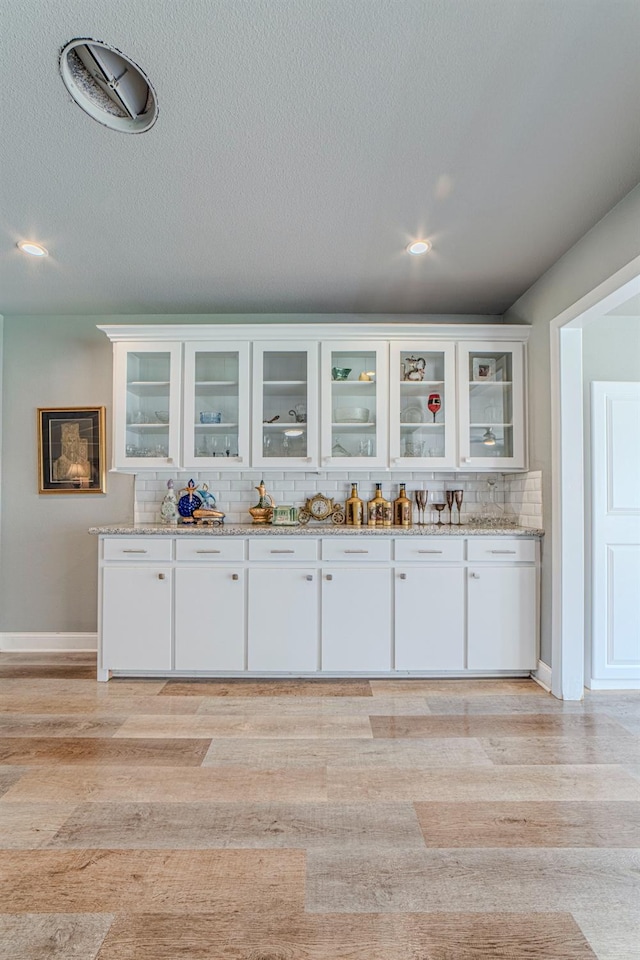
[519,495]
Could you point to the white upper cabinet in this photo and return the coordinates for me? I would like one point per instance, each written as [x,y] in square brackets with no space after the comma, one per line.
[422,405]
[491,406]
[320,396]
[354,404]
[285,405]
[146,405]
[215,431]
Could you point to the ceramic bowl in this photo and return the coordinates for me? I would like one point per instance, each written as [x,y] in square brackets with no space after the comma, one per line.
[340,373]
[162,416]
[351,415]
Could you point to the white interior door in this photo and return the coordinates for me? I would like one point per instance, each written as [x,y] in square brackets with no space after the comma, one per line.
[615,526]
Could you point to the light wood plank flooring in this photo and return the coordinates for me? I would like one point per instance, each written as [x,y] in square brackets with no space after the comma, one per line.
[313,820]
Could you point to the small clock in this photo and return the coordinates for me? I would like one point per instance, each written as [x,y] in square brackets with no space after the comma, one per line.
[321,508]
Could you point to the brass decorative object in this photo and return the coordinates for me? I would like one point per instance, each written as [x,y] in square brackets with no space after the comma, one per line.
[354,508]
[402,509]
[380,510]
[263,510]
[321,508]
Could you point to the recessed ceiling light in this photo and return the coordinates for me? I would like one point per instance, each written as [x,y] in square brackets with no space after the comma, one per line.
[108,86]
[418,247]
[33,249]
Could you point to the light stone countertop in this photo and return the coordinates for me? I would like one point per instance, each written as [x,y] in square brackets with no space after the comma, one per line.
[314,530]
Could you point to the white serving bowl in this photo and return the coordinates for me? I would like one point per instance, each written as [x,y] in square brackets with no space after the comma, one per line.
[351,415]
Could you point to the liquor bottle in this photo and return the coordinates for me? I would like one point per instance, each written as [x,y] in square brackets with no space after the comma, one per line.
[375,506]
[354,508]
[386,510]
[402,509]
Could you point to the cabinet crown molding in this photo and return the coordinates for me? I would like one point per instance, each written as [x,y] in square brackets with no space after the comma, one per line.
[389,330]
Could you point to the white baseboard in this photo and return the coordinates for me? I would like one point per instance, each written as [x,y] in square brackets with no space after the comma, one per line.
[542,675]
[612,684]
[44,642]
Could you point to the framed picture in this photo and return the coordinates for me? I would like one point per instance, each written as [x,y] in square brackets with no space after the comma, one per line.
[484,368]
[71,450]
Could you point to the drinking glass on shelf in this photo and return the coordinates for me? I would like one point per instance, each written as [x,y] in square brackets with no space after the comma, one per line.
[421,503]
[266,445]
[365,447]
[458,494]
[227,445]
[450,497]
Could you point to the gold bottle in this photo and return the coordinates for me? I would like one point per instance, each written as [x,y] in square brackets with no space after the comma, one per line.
[354,508]
[402,509]
[380,510]
[374,508]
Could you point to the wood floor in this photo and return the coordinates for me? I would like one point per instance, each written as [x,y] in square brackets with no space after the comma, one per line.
[313,820]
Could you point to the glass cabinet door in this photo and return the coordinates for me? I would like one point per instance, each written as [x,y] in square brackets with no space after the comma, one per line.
[354,388]
[492,414]
[147,405]
[216,405]
[285,405]
[422,405]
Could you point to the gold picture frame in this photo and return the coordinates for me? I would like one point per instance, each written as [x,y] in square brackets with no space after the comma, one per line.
[71,450]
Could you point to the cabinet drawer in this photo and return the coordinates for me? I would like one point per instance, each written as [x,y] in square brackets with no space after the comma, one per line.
[282,548]
[430,549]
[352,548]
[205,549]
[501,548]
[138,548]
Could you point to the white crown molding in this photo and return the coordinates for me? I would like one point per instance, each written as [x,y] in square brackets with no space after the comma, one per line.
[43,642]
[311,329]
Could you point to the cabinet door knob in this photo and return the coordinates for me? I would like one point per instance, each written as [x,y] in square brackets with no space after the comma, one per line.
[235,576]
[309,576]
[161,576]
[403,576]
[329,576]
[474,576]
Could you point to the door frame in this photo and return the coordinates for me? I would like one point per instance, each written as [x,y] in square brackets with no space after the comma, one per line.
[567,478]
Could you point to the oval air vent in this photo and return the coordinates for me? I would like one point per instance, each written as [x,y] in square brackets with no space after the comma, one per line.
[108,86]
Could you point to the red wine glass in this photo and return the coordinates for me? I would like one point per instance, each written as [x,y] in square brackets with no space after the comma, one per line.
[433,404]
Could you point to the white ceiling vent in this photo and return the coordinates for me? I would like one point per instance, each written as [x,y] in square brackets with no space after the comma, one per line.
[108,86]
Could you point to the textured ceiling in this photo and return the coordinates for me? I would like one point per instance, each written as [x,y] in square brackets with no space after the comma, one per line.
[302,143]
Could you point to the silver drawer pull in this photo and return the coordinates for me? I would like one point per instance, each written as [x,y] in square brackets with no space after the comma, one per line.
[430,551]
[207,551]
[502,551]
[282,551]
[403,576]
[474,576]
[309,576]
[134,551]
[329,576]
[356,551]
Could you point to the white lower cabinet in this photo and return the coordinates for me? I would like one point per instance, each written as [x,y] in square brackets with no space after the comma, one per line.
[209,618]
[283,619]
[297,605]
[136,617]
[502,618]
[429,618]
[356,619]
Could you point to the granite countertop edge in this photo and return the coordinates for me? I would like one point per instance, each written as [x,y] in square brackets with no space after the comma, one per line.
[319,530]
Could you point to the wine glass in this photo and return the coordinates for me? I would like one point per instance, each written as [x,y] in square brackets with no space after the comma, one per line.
[421,503]
[227,445]
[449,494]
[458,494]
[439,507]
[433,404]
